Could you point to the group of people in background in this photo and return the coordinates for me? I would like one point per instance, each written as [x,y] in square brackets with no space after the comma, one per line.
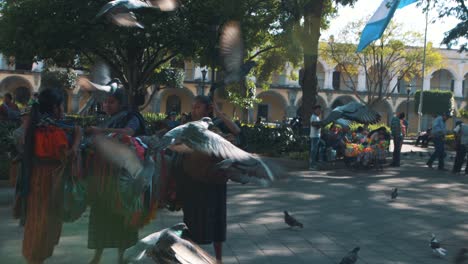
[338,138]
[50,146]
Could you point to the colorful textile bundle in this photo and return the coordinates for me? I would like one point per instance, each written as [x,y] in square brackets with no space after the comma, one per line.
[110,185]
[353,150]
[50,142]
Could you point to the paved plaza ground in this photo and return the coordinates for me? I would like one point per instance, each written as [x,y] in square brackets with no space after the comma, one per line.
[340,209]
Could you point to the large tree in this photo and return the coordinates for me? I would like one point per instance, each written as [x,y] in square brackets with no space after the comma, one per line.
[458,35]
[389,58]
[299,25]
[62,30]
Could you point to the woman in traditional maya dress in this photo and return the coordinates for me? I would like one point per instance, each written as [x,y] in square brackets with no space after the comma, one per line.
[201,188]
[107,227]
[49,144]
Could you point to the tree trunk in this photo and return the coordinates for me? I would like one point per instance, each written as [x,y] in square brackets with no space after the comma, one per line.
[310,41]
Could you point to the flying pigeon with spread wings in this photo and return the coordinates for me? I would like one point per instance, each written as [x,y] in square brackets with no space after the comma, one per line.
[167,246]
[120,11]
[101,80]
[353,111]
[232,52]
[196,137]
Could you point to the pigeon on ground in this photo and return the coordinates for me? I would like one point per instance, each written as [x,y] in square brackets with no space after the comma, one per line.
[435,246]
[351,257]
[462,256]
[167,246]
[291,221]
[394,194]
[196,137]
[120,11]
[232,53]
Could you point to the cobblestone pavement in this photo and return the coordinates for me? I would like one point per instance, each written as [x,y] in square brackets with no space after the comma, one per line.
[340,209]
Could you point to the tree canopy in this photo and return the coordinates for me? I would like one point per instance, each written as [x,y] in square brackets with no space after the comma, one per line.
[458,35]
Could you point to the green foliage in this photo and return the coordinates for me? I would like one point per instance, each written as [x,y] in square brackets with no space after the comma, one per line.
[463,113]
[241,96]
[169,77]
[458,34]
[58,79]
[6,139]
[435,102]
[274,141]
[63,30]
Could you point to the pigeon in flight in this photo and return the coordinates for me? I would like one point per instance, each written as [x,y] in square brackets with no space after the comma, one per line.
[232,53]
[462,256]
[139,174]
[120,11]
[394,194]
[167,246]
[291,221]
[435,245]
[351,257]
[101,80]
[353,111]
[195,136]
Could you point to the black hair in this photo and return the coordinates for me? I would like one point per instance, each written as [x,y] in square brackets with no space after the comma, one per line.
[401,115]
[316,107]
[119,94]
[9,96]
[206,100]
[360,129]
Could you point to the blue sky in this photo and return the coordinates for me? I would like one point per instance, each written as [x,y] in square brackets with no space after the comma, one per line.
[411,17]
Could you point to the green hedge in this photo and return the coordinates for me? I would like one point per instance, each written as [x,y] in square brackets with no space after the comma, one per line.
[434,102]
[274,141]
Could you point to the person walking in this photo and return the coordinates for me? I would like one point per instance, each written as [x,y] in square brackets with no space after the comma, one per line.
[315,127]
[398,130]
[438,135]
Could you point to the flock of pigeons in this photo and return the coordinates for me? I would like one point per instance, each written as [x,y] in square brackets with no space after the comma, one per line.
[170,245]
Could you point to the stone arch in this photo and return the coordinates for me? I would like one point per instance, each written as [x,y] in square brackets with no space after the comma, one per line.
[443,79]
[272,108]
[342,80]
[385,110]
[411,115]
[320,75]
[342,100]
[184,94]
[18,87]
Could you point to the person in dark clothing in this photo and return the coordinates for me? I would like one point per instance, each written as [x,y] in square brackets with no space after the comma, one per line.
[202,188]
[107,228]
[424,138]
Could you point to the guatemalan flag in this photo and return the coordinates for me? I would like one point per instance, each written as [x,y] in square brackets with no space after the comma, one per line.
[379,21]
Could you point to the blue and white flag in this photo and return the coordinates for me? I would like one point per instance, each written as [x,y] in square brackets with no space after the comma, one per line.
[379,21]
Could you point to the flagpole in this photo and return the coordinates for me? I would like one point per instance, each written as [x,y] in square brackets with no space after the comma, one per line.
[423,71]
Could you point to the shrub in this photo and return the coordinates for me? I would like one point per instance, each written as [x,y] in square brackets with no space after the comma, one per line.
[274,141]
[434,102]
